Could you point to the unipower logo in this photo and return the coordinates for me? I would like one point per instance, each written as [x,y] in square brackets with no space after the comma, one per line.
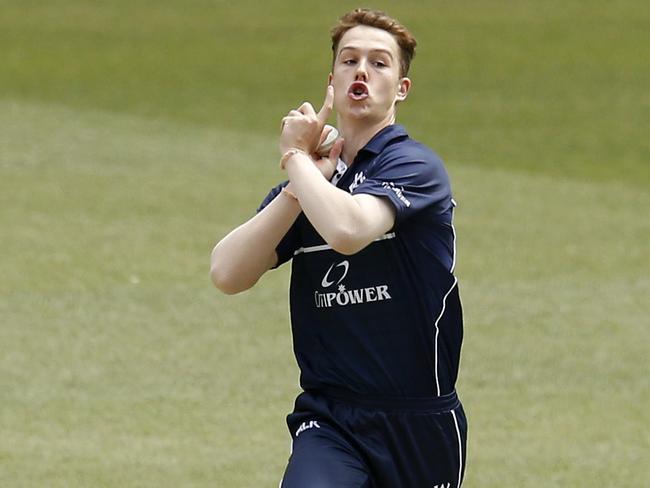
[340,296]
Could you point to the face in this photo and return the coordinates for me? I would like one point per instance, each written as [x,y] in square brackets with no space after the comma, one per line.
[366,75]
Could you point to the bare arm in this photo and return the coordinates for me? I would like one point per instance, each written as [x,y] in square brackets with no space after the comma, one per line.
[241,258]
[347,223]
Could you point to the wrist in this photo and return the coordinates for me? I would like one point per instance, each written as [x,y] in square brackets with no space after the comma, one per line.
[290,154]
[286,191]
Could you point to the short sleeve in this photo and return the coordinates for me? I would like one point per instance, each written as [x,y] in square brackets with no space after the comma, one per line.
[289,242]
[412,180]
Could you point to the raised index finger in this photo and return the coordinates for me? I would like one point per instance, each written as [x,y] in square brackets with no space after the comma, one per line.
[326,109]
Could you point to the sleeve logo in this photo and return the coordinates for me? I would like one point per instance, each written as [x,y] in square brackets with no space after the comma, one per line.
[389,185]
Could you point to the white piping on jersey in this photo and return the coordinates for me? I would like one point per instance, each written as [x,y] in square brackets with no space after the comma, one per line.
[442,312]
[460,451]
[453,231]
[325,247]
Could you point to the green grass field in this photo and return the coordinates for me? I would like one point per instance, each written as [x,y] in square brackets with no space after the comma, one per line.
[133,135]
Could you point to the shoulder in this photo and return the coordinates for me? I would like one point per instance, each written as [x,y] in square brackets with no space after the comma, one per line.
[410,150]
[406,155]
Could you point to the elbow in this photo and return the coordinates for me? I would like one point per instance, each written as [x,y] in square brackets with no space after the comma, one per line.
[225,281]
[223,277]
[346,242]
[347,249]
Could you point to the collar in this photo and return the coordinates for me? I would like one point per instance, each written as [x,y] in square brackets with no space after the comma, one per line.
[381,139]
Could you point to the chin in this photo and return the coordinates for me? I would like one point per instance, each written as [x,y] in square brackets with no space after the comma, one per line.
[357,113]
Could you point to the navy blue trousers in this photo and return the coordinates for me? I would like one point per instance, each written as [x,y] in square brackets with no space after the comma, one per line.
[344,442]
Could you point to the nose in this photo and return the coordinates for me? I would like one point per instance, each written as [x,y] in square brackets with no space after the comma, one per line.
[362,72]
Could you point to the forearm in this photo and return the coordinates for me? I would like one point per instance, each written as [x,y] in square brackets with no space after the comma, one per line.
[245,254]
[347,223]
[334,213]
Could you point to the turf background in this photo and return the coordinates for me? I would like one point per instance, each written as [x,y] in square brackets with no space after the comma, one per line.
[134,134]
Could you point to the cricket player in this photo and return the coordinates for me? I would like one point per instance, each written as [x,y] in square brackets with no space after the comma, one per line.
[375,309]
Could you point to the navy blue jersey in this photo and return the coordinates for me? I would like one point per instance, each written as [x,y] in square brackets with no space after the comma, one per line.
[386,320]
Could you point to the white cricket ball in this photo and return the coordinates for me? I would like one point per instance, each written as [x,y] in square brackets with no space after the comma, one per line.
[323,150]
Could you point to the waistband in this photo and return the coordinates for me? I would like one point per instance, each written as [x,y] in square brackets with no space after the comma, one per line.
[434,404]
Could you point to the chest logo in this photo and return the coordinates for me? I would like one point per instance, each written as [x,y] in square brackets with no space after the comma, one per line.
[342,297]
[358,179]
[326,279]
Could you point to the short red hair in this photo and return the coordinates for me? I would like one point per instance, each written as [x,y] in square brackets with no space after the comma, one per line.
[378,19]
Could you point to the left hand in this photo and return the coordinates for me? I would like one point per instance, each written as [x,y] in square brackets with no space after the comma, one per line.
[327,166]
[302,128]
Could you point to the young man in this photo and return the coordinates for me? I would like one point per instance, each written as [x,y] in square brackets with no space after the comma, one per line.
[375,308]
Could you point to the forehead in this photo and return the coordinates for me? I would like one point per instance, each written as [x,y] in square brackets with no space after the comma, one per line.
[369,38]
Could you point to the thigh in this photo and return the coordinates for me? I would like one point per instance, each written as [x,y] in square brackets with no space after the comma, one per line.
[321,458]
[416,449]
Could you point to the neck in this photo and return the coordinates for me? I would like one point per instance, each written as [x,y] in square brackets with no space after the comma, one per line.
[357,133]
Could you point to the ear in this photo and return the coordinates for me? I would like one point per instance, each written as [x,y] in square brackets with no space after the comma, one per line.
[403,89]
[329,79]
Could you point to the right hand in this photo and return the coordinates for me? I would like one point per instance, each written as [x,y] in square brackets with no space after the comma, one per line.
[302,128]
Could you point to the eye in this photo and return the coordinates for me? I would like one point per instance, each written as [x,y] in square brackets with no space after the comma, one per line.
[349,61]
[380,64]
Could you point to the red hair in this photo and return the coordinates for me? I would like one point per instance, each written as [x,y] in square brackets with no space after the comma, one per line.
[379,20]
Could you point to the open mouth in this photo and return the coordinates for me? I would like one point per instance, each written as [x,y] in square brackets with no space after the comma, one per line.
[358,91]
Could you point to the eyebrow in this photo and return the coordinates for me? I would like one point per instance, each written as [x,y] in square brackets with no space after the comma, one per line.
[353,48]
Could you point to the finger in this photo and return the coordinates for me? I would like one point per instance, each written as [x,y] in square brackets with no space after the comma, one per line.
[307,109]
[292,114]
[285,120]
[336,151]
[326,109]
